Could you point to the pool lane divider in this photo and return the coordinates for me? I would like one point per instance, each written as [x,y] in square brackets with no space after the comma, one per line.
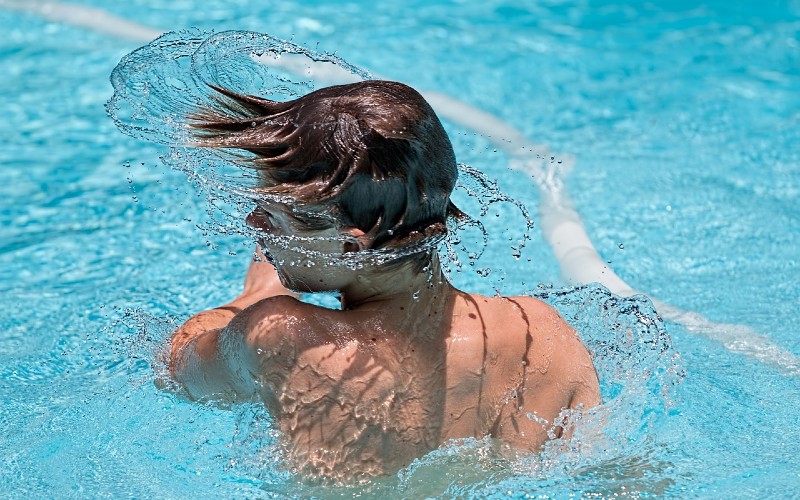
[560,222]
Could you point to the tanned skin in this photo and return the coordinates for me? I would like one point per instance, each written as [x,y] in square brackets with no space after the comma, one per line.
[408,363]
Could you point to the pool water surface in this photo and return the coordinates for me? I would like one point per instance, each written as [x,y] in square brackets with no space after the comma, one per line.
[682,118]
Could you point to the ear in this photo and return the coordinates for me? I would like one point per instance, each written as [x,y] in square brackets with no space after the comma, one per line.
[355,239]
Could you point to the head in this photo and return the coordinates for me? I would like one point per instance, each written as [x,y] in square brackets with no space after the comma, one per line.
[369,159]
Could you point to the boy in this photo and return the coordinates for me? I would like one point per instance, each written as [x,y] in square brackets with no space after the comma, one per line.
[409,361]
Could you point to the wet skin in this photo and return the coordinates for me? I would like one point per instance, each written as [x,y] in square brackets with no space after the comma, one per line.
[364,390]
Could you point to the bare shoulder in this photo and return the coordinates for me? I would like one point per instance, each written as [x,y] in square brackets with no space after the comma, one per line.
[557,373]
[536,309]
[544,319]
[281,320]
[528,329]
[557,352]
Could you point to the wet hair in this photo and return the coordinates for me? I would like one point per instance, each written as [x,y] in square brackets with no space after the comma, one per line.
[371,154]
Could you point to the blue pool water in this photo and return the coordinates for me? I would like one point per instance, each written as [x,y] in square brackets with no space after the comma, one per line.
[683,118]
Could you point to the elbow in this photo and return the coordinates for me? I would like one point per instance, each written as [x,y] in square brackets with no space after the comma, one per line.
[176,353]
[209,371]
[188,350]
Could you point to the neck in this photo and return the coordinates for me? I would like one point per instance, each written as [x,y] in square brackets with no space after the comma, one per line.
[404,287]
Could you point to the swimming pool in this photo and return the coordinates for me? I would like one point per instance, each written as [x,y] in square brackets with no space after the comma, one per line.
[682,119]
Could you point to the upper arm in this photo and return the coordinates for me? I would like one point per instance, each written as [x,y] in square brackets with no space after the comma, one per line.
[571,368]
[559,375]
[224,363]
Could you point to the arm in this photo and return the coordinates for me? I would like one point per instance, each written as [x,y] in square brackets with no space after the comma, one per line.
[571,378]
[560,376]
[205,354]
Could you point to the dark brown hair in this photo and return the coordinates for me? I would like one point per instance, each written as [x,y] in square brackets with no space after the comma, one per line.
[373,154]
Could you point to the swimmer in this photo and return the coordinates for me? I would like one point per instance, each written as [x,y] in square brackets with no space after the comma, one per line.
[408,362]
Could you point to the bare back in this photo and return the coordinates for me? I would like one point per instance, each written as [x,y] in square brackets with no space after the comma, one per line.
[362,393]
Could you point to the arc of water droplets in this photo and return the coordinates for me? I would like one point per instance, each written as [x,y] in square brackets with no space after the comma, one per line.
[561,224]
[577,257]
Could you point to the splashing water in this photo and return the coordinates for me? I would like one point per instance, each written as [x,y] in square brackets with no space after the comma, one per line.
[482,191]
[615,448]
[159,85]
[157,88]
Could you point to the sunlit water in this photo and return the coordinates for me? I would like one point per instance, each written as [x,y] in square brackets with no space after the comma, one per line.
[683,121]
